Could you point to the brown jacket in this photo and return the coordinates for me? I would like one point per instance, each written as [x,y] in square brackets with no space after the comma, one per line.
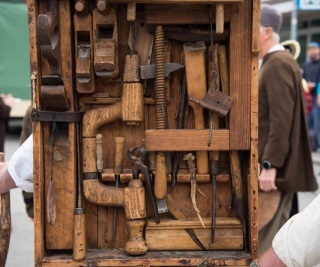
[283,136]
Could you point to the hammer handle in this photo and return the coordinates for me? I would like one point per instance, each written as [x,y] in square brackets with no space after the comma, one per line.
[5,223]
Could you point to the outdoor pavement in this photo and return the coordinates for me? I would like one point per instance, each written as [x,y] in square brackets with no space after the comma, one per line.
[21,252]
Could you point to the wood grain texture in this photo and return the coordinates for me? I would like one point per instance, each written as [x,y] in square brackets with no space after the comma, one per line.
[253,175]
[186,140]
[171,234]
[240,78]
[181,14]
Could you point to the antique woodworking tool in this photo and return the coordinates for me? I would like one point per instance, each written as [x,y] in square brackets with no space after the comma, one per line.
[159,72]
[5,223]
[79,220]
[235,167]
[137,156]
[105,31]
[238,190]
[214,170]
[182,106]
[119,140]
[84,49]
[160,183]
[132,91]
[197,87]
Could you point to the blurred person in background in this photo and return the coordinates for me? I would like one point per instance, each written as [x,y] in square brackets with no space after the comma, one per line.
[6,102]
[311,73]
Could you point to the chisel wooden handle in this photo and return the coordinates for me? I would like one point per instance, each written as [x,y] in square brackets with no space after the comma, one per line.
[219,18]
[160,183]
[79,234]
[5,223]
[119,154]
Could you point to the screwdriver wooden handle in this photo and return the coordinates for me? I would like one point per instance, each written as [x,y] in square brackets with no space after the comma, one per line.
[5,223]
[79,234]
[119,154]
[160,183]
[99,152]
[131,11]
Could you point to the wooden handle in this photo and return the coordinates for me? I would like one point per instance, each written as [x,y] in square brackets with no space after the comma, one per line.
[236,173]
[160,183]
[136,244]
[5,223]
[223,68]
[79,235]
[219,18]
[119,154]
[194,54]
[131,11]
[99,152]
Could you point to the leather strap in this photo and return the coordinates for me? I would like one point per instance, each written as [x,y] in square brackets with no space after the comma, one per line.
[66,116]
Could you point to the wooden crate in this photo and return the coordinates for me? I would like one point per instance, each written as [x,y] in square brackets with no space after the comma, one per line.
[81,78]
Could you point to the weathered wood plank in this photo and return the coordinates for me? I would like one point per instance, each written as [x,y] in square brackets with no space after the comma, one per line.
[253,178]
[180,14]
[186,140]
[240,49]
[159,258]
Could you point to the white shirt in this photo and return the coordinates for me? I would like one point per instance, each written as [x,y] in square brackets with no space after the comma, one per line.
[20,166]
[298,242]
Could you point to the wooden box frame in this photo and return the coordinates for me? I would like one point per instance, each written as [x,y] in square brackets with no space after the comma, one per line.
[242,135]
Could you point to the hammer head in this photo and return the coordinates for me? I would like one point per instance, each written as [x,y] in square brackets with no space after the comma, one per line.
[149,71]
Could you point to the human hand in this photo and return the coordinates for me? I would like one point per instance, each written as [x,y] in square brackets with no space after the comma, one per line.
[267,180]
[9,100]
[311,85]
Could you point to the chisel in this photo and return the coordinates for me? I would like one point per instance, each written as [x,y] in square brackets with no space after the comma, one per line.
[117,170]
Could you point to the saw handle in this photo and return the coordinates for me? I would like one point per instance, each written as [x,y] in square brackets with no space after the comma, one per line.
[5,224]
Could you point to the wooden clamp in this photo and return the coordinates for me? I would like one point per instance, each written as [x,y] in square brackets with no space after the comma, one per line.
[83,47]
[105,30]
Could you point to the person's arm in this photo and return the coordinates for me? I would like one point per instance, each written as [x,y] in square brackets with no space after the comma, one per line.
[19,171]
[268,259]
[6,181]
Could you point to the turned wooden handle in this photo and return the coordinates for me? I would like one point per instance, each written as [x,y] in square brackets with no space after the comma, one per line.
[136,244]
[219,18]
[119,154]
[99,152]
[79,235]
[131,11]
[5,223]
[236,173]
[160,183]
